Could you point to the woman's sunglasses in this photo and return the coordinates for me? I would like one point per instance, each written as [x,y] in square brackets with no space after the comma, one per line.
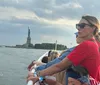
[82,25]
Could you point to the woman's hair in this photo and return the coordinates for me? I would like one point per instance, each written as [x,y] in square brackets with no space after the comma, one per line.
[53,55]
[93,21]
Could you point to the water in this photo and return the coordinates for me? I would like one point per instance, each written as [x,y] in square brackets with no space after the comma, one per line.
[14,62]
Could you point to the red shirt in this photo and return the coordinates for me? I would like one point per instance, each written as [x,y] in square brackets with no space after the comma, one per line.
[86,54]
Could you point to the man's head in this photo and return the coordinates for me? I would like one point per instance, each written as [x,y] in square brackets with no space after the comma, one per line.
[54,54]
[45,59]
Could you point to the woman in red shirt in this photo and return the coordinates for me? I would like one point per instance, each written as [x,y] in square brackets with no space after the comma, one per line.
[86,54]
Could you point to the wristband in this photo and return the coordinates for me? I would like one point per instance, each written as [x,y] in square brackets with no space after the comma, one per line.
[41,78]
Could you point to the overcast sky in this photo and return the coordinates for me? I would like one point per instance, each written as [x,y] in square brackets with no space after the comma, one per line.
[48,20]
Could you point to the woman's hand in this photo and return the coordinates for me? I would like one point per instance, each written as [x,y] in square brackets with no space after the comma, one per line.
[34,79]
[30,65]
[30,74]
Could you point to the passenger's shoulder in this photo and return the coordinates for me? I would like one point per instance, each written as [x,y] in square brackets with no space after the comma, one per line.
[87,44]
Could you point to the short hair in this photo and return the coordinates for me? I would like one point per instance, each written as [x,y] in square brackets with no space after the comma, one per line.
[45,59]
[49,53]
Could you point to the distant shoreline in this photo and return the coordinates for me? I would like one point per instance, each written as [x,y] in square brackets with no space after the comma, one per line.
[44,46]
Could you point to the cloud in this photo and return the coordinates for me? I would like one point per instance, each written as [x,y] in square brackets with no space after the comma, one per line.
[43,8]
[54,9]
[17,1]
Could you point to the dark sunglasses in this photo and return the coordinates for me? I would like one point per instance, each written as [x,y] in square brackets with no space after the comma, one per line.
[82,25]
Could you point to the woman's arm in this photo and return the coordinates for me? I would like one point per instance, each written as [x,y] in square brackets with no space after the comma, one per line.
[64,64]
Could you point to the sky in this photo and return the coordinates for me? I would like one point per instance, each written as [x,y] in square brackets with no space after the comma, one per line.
[48,20]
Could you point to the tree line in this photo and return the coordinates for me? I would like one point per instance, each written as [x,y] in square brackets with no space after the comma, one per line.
[50,46]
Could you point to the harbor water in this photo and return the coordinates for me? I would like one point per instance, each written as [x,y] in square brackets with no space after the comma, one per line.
[14,62]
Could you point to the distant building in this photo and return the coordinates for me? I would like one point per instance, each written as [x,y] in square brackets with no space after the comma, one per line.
[50,46]
[28,43]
